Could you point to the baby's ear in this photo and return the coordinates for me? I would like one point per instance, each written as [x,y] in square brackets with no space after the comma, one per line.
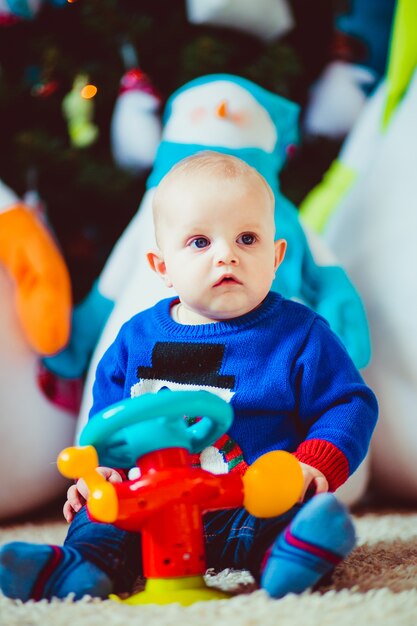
[280,248]
[157,264]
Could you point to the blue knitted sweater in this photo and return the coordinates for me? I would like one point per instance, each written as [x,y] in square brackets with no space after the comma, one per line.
[289,380]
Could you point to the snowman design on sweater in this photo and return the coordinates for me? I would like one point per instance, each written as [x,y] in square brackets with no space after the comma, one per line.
[190,367]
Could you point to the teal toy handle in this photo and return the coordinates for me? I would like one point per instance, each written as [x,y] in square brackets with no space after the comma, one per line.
[128,429]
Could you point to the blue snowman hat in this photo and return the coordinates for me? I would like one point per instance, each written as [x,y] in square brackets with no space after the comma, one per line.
[283,113]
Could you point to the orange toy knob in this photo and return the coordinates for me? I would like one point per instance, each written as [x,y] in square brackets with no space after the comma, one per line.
[103,503]
[82,462]
[78,462]
[272,484]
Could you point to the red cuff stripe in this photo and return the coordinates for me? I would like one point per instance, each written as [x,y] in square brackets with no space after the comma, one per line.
[325,457]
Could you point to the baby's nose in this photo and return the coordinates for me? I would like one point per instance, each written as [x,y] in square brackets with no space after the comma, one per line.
[226,255]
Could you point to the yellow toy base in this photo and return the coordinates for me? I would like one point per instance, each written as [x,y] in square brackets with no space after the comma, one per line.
[184,591]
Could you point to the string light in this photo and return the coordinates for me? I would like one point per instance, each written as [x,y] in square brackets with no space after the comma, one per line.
[88,91]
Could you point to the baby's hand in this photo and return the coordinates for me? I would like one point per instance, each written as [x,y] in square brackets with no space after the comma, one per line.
[77,494]
[313,478]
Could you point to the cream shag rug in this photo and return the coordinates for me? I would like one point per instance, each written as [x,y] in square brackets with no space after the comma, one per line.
[375,586]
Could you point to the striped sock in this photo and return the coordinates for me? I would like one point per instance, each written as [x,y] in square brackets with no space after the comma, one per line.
[318,538]
[33,572]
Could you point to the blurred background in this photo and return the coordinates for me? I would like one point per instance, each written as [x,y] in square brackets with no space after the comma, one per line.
[50,50]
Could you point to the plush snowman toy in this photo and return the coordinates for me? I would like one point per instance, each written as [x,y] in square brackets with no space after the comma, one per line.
[136,124]
[359,49]
[35,315]
[373,227]
[366,209]
[233,115]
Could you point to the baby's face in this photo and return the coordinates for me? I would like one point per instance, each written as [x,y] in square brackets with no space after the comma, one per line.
[217,242]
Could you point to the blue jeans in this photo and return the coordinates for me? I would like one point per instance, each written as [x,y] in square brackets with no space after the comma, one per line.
[234,539]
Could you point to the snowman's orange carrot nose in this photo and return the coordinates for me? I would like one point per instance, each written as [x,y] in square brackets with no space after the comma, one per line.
[222,109]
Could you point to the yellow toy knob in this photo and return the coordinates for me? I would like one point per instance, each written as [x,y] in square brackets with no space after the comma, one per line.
[77,462]
[103,503]
[272,484]
[82,462]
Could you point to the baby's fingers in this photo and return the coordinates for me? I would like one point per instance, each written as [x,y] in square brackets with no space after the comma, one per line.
[68,512]
[74,498]
[321,484]
[82,491]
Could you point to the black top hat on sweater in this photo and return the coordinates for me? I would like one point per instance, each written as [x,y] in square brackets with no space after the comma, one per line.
[187,363]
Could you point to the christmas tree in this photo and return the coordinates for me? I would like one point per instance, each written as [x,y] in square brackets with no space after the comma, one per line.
[46,57]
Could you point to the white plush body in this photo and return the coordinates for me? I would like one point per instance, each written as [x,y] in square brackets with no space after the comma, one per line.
[373,231]
[32,430]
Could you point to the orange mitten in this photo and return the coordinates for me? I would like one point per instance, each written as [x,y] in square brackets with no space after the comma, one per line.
[43,289]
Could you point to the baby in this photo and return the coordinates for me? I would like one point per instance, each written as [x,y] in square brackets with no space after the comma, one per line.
[289,380]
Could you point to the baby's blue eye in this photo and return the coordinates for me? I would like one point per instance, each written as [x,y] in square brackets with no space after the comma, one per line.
[247,239]
[200,242]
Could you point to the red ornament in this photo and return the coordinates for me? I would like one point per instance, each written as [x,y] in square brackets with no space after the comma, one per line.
[44,90]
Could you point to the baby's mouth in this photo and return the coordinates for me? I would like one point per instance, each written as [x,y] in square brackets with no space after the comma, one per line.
[227,280]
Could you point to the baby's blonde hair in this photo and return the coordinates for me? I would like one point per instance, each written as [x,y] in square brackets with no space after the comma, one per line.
[225,166]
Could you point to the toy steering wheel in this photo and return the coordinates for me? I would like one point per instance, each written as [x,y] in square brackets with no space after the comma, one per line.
[133,427]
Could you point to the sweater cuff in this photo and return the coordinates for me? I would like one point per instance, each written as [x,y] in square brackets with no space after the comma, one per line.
[325,457]
[123,473]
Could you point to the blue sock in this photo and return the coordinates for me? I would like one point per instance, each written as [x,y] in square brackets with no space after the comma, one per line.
[317,539]
[34,571]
